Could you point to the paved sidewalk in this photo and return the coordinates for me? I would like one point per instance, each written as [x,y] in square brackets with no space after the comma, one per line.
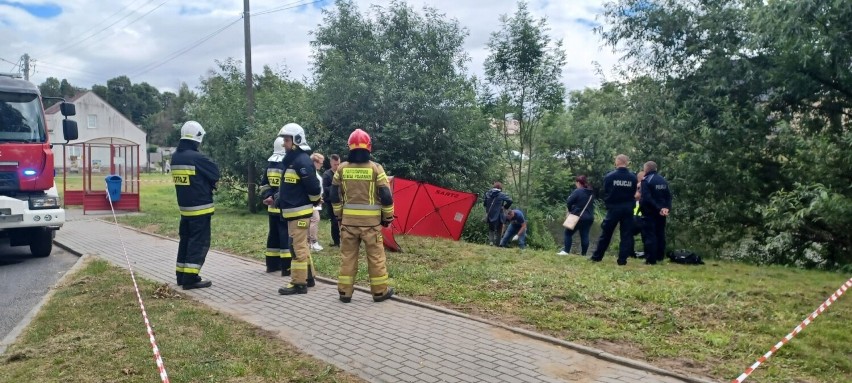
[387,342]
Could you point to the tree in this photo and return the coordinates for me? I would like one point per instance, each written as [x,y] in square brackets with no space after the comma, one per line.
[525,67]
[755,90]
[52,87]
[220,109]
[401,76]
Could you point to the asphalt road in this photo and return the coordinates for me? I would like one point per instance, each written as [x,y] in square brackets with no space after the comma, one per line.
[24,280]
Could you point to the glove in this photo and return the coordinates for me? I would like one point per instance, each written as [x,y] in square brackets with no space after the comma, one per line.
[515,238]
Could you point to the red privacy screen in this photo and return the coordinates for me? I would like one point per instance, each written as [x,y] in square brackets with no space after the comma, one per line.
[428,210]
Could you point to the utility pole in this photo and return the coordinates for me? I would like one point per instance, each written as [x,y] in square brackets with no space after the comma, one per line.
[250,174]
[25,65]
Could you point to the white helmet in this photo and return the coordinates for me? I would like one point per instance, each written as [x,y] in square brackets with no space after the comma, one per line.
[278,145]
[192,130]
[295,130]
[278,151]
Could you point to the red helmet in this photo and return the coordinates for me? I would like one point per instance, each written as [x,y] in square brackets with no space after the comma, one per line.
[359,139]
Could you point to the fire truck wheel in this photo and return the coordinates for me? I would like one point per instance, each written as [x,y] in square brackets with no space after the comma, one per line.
[41,242]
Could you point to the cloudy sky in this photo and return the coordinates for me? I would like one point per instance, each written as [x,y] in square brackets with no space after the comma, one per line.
[166,42]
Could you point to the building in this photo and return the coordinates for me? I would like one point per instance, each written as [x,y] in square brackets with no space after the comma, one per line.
[96,119]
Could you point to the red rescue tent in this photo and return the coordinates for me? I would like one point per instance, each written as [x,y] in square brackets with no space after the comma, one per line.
[427,210]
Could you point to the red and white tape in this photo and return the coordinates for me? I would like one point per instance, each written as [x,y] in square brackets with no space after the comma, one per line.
[160,365]
[795,331]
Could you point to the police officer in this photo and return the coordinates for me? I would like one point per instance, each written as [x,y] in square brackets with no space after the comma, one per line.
[655,203]
[195,178]
[361,199]
[619,191]
[298,194]
[277,240]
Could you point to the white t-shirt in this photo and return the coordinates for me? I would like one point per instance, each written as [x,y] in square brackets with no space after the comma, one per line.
[319,177]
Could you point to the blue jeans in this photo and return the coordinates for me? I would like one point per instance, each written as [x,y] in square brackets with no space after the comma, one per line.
[510,232]
[584,227]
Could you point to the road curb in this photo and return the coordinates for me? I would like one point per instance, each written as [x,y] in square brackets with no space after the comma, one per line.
[600,354]
[13,335]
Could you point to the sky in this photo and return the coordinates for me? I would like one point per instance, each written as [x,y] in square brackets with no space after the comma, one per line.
[167,42]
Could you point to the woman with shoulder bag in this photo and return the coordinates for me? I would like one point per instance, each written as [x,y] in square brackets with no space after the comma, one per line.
[580,203]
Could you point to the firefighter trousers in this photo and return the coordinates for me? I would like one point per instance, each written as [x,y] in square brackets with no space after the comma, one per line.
[350,247]
[301,266]
[192,249]
[277,245]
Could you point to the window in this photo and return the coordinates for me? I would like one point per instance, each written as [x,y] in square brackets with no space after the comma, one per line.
[93,121]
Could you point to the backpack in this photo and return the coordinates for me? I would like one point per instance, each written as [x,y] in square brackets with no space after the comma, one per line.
[685,257]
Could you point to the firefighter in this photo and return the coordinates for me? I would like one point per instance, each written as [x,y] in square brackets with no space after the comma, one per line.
[362,202]
[298,194]
[277,241]
[195,178]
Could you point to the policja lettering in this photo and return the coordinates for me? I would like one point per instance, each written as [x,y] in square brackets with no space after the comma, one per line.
[622,183]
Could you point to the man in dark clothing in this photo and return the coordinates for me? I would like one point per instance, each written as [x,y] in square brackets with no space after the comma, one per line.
[619,192]
[495,202]
[517,228]
[655,203]
[327,178]
[195,178]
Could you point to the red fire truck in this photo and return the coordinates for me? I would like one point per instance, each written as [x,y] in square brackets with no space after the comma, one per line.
[30,208]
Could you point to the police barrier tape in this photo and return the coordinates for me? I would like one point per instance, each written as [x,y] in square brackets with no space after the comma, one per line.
[159,360]
[795,331]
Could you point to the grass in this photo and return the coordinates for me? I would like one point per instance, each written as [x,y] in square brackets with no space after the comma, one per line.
[715,319]
[92,331]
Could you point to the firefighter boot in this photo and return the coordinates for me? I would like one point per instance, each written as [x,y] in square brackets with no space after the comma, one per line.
[383,297]
[292,289]
[311,281]
[344,298]
[200,284]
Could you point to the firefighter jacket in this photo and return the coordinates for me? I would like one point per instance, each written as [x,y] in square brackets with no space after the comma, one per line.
[195,177]
[361,195]
[300,188]
[269,184]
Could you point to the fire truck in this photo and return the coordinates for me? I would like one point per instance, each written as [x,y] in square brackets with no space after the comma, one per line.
[30,206]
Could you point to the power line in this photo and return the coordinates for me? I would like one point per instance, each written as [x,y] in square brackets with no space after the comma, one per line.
[284,7]
[96,25]
[62,49]
[184,50]
[128,24]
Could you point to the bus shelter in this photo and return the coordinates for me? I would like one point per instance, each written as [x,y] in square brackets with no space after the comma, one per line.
[96,160]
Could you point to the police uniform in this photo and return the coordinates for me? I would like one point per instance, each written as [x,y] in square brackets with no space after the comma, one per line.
[656,196]
[195,177]
[277,240]
[298,194]
[619,191]
[362,200]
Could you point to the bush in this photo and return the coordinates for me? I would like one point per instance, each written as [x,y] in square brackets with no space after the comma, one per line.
[809,226]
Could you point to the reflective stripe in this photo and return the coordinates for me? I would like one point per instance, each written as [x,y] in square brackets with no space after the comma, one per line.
[345,280]
[314,197]
[387,209]
[298,211]
[183,172]
[183,167]
[194,213]
[272,253]
[272,171]
[273,209]
[286,254]
[359,206]
[198,207]
[190,265]
[299,265]
[383,280]
[382,176]
[188,270]
[366,213]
